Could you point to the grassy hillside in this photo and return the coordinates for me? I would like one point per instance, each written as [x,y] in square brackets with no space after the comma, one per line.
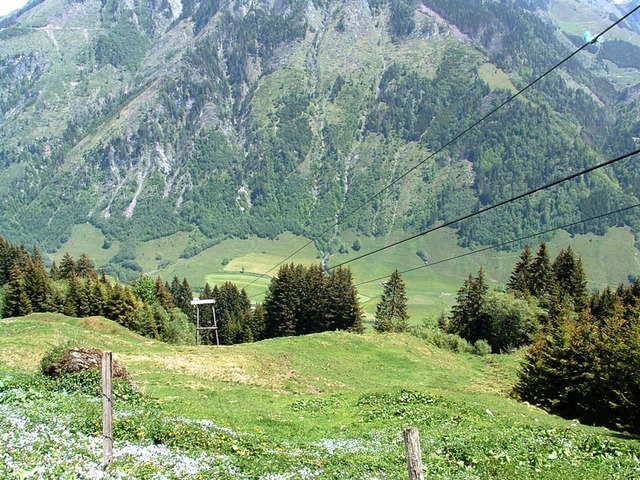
[324,406]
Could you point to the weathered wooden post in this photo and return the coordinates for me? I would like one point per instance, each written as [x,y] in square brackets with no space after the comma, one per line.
[107,409]
[414,453]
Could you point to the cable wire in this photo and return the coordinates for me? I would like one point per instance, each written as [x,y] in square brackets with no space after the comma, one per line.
[503,244]
[449,143]
[492,207]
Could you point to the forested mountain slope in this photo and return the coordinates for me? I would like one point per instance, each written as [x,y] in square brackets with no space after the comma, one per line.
[256,117]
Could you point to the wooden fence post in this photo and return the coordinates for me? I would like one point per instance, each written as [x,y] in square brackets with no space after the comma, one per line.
[414,453]
[107,409]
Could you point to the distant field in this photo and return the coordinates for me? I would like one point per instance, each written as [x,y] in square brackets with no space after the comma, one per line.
[608,260]
[253,284]
[85,238]
[496,78]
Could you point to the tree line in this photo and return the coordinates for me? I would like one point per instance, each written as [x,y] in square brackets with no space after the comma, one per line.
[149,307]
[300,300]
[584,349]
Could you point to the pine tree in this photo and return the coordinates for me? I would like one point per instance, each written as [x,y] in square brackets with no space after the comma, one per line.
[571,280]
[67,266]
[391,311]
[520,279]
[469,318]
[16,303]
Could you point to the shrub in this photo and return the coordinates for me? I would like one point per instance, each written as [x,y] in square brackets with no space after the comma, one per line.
[482,348]
[54,356]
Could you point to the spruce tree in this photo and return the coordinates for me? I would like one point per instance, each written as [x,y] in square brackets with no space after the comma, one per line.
[37,286]
[312,312]
[282,302]
[67,266]
[391,311]
[520,279]
[258,322]
[85,268]
[54,271]
[163,295]
[469,318]
[571,279]
[16,303]
[342,310]
[541,272]
[233,313]
[543,285]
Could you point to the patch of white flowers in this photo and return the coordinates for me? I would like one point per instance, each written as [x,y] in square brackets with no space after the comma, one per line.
[30,449]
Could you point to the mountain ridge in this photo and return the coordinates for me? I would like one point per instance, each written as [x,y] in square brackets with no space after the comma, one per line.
[247,117]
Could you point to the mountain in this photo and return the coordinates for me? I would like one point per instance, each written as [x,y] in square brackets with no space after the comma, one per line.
[255,117]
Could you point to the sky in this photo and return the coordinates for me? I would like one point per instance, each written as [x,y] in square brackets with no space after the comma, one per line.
[7,6]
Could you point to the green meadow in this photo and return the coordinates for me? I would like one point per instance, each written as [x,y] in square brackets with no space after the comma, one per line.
[327,406]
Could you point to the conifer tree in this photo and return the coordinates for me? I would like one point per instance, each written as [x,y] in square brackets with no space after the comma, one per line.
[67,266]
[54,271]
[343,311]
[543,285]
[182,297]
[73,300]
[282,302]
[571,279]
[311,315]
[258,322]
[37,286]
[520,279]
[163,295]
[85,268]
[97,296]
[469,318]
[391,311]
[121,307]
[16,303]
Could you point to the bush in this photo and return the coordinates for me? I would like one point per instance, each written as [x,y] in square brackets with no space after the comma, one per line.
[54,356]
[446,341]
[482,348]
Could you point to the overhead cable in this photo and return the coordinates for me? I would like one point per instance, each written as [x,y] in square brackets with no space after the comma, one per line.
[446,145]
[504,244]
[492,207]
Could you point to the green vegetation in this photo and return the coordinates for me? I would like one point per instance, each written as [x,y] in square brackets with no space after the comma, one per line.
[302,411]
[284,130]
[391,311]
